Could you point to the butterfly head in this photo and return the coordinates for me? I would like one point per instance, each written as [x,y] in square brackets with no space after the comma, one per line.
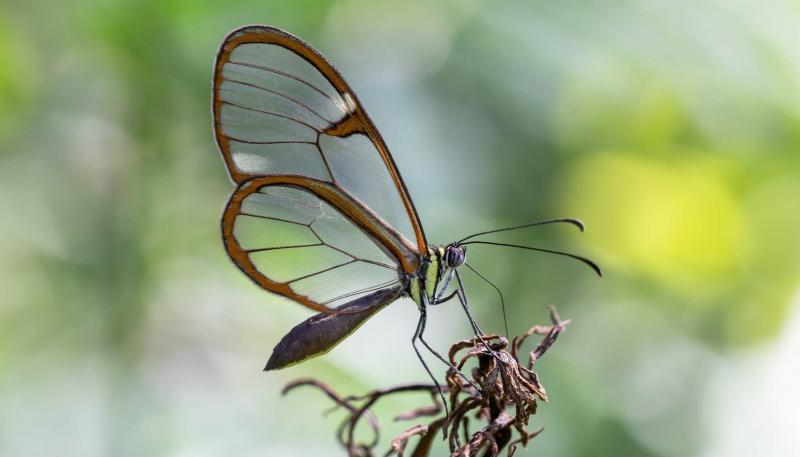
[454,255]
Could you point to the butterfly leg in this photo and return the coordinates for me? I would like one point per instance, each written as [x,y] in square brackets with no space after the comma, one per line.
[499,292]
[462,297]
[437,297]
[439,301]
[423,319]
[418,335]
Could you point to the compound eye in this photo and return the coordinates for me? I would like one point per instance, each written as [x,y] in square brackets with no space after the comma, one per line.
[454,256]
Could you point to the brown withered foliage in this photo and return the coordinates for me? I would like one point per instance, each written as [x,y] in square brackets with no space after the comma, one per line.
[501,401]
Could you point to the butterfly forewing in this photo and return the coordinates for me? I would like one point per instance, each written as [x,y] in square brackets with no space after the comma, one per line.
[368,180]
[281,110]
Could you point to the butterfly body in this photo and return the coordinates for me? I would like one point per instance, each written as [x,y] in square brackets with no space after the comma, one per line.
[429,283]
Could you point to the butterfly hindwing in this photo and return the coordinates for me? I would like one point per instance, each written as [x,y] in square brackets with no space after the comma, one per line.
[310,242]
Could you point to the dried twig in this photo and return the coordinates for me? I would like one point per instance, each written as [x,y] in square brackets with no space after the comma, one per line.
[508,397]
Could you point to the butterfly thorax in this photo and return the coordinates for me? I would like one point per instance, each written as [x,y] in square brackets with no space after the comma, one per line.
[432,277]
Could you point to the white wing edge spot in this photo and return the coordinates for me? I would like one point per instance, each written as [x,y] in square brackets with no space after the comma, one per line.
[349,103]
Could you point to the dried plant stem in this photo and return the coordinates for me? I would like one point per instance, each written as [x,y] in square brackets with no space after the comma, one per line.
[507,397]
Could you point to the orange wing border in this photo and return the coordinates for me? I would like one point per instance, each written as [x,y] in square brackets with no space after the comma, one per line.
[362,217]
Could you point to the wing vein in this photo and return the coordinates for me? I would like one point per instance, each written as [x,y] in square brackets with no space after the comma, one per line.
[270,113]
[324,160]
[242,213]
[321,271]
[361,291]
[250,251]
[374,262]
[378,264]
[296,78]
[240,140]
[279,94]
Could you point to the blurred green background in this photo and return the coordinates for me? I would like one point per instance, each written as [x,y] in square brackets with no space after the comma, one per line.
[672,128]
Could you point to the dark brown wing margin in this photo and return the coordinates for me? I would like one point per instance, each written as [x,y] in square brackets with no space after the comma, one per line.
[356,122]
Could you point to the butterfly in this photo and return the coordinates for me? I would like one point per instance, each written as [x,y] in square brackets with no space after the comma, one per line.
[320,214]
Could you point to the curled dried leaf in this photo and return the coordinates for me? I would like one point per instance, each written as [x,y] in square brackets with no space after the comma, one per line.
[400,441]
[504,397]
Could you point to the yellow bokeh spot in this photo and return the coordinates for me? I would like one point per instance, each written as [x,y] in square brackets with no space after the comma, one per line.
[672,219]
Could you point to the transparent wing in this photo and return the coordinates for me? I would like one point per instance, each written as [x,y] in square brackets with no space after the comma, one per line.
[280,108]
[299,238]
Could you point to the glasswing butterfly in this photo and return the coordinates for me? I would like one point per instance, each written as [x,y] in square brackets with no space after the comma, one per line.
[321,214]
